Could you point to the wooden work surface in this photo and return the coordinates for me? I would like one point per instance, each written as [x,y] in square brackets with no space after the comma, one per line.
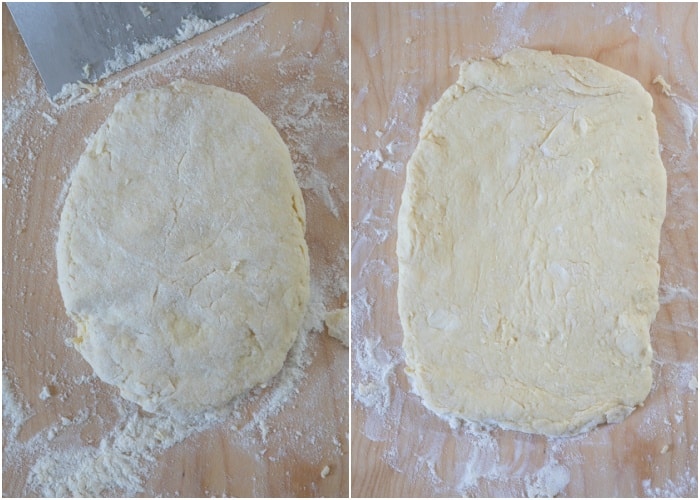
[404,56]
[292,61]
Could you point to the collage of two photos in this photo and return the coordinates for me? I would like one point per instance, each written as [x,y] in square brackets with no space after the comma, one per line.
[353,249]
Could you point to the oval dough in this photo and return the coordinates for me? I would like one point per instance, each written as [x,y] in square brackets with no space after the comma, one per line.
[528,244]
[181,251]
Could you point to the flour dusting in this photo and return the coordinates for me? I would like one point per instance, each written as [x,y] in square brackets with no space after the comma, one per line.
[14,411]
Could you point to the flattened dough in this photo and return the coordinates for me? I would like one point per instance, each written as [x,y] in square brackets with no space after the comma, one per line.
[528,241]
[181,251]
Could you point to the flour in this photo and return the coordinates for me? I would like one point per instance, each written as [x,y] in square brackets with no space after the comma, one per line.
[89,441]
[13,410]
[634,15]
[15,109]
[689,118]
[693,383]
[669,293]
[512,31]
[686,486]
[375,375]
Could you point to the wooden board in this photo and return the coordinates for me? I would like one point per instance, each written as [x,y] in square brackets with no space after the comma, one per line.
[404,56]
[292,61]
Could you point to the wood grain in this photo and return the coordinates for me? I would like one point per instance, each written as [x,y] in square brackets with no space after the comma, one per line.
[292,61]
[404,56]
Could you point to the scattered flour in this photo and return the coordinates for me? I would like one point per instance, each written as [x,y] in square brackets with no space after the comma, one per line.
[685,487]
[375,378]
[669,293]
[689,118]
[14,411]
[548,482]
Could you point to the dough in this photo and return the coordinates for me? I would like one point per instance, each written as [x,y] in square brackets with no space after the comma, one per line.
[181,251]
[528,241]
[337,325]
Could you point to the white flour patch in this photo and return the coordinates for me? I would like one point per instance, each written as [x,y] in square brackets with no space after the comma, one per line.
[685,487]
[689,118]
[16,108]
[375,375]
[548,482]
[669,293]
[13,410]
[511,29]
[634,16]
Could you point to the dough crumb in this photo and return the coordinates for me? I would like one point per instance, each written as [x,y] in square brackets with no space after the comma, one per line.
[145,10]
[664,449]
[665,87]
[409,40]
[693,383]
[90,87]
[325,471]
[337,324]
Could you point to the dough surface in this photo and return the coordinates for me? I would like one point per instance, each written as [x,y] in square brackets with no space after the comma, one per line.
[181,251]
[528,241]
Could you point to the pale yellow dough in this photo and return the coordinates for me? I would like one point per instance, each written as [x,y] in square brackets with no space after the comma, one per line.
[337,325]
[528,245]
[181,251]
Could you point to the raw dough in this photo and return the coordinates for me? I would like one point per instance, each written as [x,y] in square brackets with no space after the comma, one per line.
[337,324]
[181,251]
[528,244]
